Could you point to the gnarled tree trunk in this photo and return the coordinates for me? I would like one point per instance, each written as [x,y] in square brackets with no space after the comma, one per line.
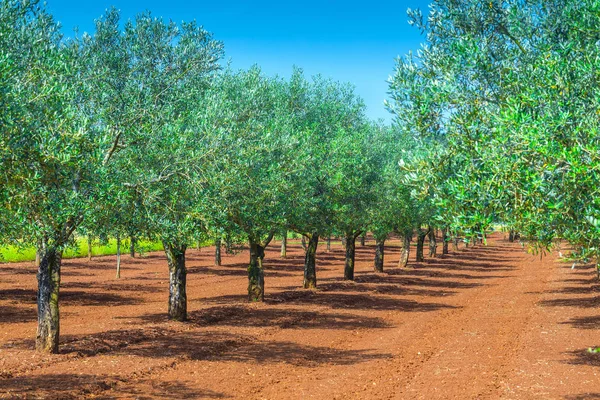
[350,254]
[310,271]
[328,243]
[363,238]
[405,251]
[455,243]
[432,243]
[379,253]
[48,278]
[256,274]
[177,280]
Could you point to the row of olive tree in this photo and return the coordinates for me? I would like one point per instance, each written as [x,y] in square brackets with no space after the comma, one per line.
[508,93]
[136,131]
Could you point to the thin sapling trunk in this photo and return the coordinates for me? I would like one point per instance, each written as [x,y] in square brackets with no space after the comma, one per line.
[89,244]
[118,256]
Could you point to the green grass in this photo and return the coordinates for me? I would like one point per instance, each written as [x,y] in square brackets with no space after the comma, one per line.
[19,254]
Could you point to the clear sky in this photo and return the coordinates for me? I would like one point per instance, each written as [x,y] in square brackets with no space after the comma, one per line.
[349,41]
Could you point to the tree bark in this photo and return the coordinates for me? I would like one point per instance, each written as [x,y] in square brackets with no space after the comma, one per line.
[328,243]
[218,252]
[89,243]
[445,241]
[405,252]
[177,280]
[379,253]
[455,243]
[420,244]
[350,254]
[511,236]
[432,243]
[228,245]
[132,241]
[363,238]
[284,245]
[47,300]
[256,273]
[303,241]
[310,270]
[118,256]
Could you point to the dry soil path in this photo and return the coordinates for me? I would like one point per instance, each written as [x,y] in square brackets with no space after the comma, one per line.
[490,322]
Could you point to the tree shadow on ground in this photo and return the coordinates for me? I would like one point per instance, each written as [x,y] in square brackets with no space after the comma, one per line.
[9,269]
[584,322]
[71,297]
[584,302]
[389,288]
[583,357]
[14,315]
[282,318]
[336,300]
[158,342]
[117,286]
[414,281]
[76,386]
[352,301]
[22,296]
[232,270]
[583,396]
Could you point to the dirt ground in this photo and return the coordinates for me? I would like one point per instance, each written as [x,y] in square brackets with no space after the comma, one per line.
[482,323]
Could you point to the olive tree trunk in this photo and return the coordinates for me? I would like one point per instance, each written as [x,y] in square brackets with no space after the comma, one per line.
[420,244]
[284,245]
[132,241]
[310,270]
[405,251]
[455,243]
[432,243]
[48,278]
[177,280]
[379,252]
[350,240]
[218,252]
[89,243]
[328,243]
[256,273]
[363,237]
[445,241]
[118,256]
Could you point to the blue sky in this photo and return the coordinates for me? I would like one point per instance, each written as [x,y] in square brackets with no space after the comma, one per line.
[354,42]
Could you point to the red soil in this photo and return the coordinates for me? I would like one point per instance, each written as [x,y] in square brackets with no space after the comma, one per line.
[487,322]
